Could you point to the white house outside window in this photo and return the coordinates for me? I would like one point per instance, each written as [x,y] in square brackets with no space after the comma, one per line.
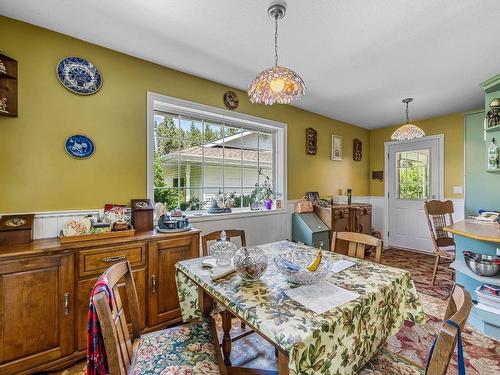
[197,151]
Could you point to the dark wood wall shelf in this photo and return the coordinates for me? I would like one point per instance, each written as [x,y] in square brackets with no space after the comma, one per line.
[8,85]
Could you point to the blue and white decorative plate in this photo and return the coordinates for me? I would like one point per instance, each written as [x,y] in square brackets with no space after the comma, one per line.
[79,146]
[79,75]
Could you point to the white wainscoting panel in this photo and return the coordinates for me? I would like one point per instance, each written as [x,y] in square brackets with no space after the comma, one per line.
[259,228]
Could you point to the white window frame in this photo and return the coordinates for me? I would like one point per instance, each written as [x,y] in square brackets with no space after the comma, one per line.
[169,104]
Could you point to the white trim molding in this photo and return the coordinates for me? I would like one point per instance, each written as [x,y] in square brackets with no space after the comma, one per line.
[440,139]
[261,226]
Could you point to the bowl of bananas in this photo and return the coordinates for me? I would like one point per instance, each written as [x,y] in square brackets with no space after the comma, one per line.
[302,267]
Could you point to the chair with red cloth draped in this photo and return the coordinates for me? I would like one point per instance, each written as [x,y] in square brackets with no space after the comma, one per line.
[191,348]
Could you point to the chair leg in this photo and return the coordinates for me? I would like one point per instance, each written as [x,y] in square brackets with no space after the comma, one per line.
[226,338]
[243,325]
[434,273]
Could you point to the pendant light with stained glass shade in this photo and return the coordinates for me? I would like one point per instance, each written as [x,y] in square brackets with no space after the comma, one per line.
[277,84]
[408,131]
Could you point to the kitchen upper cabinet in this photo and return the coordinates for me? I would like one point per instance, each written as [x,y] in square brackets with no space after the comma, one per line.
[163,305]
[36,311]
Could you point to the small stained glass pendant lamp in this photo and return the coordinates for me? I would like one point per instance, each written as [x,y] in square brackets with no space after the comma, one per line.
[277,84]
[408,131]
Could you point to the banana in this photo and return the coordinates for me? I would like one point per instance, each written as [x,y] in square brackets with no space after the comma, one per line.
[313,266]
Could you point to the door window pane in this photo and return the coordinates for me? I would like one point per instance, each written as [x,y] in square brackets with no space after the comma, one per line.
[413,174]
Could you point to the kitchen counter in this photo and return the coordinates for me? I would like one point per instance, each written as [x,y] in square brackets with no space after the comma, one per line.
[482,238]
[474,229]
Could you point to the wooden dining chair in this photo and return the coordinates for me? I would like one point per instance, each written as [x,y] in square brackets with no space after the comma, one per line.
[215,236]
[127,354]
[457,312]
[357,244]
[439,214]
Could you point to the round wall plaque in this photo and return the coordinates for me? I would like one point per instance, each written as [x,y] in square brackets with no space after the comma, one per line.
[79,146]
[79,75]
[231,100]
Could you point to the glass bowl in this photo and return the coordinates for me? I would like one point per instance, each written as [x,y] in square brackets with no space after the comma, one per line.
[250,263]
[223,252]
[301,275]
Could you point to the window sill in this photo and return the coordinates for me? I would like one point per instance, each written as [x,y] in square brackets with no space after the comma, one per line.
[233,215]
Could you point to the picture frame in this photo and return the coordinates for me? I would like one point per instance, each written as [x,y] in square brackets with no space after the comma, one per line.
[336,147]
[311,141]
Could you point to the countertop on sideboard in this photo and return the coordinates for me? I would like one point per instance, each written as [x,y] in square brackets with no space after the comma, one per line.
[476,230]
[53,245]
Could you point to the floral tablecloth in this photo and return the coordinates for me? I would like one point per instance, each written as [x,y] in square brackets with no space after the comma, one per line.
[339,341]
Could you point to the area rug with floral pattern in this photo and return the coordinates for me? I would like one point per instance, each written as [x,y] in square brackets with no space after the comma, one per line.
[412,342]
[421,266]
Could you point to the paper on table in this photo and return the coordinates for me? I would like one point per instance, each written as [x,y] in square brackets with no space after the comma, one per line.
[321,297]
[341,265]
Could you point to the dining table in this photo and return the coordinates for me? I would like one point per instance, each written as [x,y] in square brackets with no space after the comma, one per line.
[339,341]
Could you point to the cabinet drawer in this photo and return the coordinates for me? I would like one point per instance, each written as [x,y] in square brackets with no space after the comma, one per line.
[96,261]
[365,211]
[340,213]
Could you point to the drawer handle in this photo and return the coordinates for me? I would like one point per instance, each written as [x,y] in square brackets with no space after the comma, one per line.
[66,304]
[116,258]
[153,283]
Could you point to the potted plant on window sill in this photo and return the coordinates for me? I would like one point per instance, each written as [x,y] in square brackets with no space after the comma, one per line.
[263,194]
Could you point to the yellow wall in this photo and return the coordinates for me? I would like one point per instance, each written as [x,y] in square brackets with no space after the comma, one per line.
[37,175]
[452,126]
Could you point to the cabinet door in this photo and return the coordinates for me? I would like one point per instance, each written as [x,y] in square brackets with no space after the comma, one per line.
[36,311]
[163,306]
[365,220]
[84,287]
[341,223]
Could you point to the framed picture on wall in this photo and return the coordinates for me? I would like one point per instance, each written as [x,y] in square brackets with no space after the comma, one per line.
[336,147]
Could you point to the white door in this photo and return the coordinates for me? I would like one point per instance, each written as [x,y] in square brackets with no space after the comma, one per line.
[415,175]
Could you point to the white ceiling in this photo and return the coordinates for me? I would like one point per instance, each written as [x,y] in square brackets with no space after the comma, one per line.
[359,58]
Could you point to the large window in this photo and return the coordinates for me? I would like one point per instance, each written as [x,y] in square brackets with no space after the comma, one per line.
[197,154]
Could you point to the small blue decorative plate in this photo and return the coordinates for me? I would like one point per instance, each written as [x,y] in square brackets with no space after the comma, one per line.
[79,75]
[79,146]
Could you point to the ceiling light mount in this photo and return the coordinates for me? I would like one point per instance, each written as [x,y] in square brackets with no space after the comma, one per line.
[407,100]
[277,11]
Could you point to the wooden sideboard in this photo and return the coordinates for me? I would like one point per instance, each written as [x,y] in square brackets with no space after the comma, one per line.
[356,217]
[45,287]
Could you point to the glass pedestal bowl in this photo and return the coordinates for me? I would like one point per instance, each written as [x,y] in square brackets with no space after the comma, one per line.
[250,263]
[300,274]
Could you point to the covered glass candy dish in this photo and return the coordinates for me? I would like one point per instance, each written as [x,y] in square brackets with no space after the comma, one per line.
[250,263]
[223,251]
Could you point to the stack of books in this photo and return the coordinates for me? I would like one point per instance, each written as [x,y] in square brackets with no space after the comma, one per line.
[488,298]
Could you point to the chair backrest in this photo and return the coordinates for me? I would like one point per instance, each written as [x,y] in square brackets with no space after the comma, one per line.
[357,243]
[215,236]
[439,214]
[458,309]
[117,340]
